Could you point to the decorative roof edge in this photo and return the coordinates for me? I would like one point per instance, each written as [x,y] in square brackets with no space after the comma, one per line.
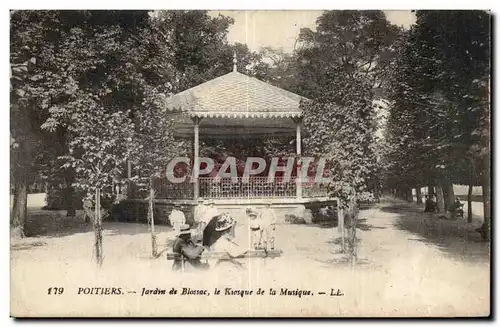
[244,114]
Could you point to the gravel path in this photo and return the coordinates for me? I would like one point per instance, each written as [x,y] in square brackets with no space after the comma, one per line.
[430,266]
[410,264]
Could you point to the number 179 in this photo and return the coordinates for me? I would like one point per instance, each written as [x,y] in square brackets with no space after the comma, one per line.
[55,290]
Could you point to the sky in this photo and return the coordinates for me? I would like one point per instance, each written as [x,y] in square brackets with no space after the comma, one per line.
[280,28]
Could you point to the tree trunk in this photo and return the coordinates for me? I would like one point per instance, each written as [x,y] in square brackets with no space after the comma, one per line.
[15,203]
[340,227]
[98,228]
[20,206]
[440,199]
[23,172]
[69,174]
[410,195]
[450,196]
[352,229]
[69,193]
[445,195]
[469,203]
[418,191]
[431,191]
[486,207]
[152,223]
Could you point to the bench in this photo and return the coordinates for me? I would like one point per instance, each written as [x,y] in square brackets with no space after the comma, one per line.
[223,255]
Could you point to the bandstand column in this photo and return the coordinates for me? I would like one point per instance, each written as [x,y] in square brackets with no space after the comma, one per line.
[196,156]
[299,163]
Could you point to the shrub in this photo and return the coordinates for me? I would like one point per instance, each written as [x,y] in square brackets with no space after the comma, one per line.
[293,219]
[55,198]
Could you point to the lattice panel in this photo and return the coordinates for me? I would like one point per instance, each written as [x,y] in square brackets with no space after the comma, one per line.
[253,187]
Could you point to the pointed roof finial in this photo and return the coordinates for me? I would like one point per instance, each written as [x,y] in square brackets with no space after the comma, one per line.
[234,61]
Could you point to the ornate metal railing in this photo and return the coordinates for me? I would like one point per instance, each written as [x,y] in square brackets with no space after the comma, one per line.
[175,191]
[236,188]
[253,187]
[164,190]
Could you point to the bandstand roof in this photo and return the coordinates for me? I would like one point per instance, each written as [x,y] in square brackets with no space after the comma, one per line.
[236,95]
[236,104]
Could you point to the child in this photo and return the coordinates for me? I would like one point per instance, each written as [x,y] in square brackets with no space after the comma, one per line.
[254,222]
[206,212]
[263,226]
[177,218]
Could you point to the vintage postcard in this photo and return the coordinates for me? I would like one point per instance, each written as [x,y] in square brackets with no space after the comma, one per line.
[169,163]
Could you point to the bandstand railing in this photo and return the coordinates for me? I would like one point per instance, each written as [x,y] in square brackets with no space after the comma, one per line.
[175,191]
[237,188]
[165,190]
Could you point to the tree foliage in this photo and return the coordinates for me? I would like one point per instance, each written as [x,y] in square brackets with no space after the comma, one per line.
[339,66]
[116,62]
[199,46]
[357,44]
[438,129]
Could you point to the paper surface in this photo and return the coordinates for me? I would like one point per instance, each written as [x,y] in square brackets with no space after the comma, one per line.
[408,263]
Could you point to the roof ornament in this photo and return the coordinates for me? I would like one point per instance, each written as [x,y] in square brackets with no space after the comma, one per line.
[235,61]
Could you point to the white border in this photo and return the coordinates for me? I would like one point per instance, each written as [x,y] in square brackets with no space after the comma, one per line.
[257,4]
[185,4]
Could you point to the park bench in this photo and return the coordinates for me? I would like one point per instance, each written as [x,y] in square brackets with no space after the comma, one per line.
[224,256]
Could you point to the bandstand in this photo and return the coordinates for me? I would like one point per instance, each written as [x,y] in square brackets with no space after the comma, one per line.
[237,106]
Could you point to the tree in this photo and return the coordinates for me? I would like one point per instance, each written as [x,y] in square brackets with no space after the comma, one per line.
[344,137]
[407,130]
[99,152]
[28,31]
[198,42]
[59,53]
[102,93]
[440,115]
[464,58]
[278,68]
[153,145]
[113,57]
[358,42]
[339,66]
[23,147]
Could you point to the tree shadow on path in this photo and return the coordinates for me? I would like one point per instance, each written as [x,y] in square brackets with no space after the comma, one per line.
[51,223]
[456,238]
[362,225]
[55,224]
